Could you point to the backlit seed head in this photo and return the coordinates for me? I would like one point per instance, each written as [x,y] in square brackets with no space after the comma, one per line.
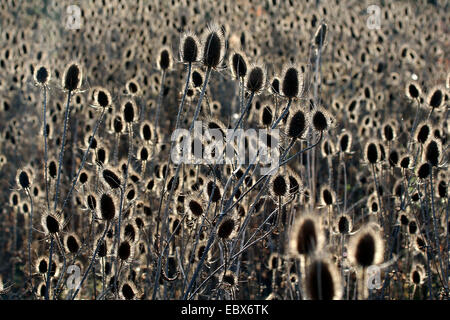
[129,111]
[51,223]
[275,85]
[238,63]
[292,82]
[128,291]
[327,196]
[117,124]
[320,119]
[91,201]
[412,227]
[441,188]
[42,75]
[42,265]
[227,228]
[110,177]
[72,242]
[213,191]
[433,152]
[423,170]
[327,148]
[322,280]
[102,98]
[345,141]
[423,132]
[267,114]
[393,158]
[229,280]
[372,152]
[366,248]
[436,97]
[255,80]
[125,250]
[279,185]
[72,78]
[24,178]
[388,132]
[197,78]
[213,47]
[405,161]
[306,237]
[297,122]
[413,90]
[108,207]
[146,131]
[195,207]
[417,275]
[189,47]
[344,224]
[295,182]
[164,59]
[133,87]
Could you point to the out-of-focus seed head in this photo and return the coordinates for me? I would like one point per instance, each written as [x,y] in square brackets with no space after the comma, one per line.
[165,59]
[306,237]
[322,280]
[72,78]
[42,75]
[366,248]
[238,63]
[436,97]
[372,152]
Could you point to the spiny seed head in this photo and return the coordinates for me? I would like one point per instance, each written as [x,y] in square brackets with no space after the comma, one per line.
[322,281]
[255,80]
[295,183]
[128,291]
[197,78]
[423,170]
[226,228]
[24,178]
[72,243]
[306,237]
[42,75]
[297,122]
[436,97]
[213,47]
[366,248]
[345,141]
[279,185]
[195,207]
[102,97]
[111,178]
[267,116]
[320,119]
[238,62]
[72,78]
[344,224]
[229,279]
[189,48]
[213,191]
[129,111]
[107,207]
[327,196]
[292,83]
[51,223]
[372,152]
[423,132]
[165,59]
[91,201]
[433,151]
[413,90]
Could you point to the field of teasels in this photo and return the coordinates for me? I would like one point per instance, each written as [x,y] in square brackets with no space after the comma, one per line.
[93,207]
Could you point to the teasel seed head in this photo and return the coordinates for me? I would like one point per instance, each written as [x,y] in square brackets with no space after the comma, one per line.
[213,47]
[322,280]
[72,78]
[189,47]
[306,237]
[366,248]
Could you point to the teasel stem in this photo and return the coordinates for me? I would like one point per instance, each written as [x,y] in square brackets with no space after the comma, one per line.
[30,235]
[160,98]
[122,195]
[44,113]
[83,161]
[92,262]
[283,114]
[47,285]
[61,153]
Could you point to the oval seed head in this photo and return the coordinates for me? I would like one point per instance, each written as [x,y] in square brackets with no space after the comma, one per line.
[42,265]
[213,47]
[102,97]
[441,188]
[344,224]
[24,179]
[213,191]
[322,281]
[423,170]
[72,78]
[195,207]
[128,291]
[372,152]
[436,97]
[197,78]
[111,178]
[146,131]
[189,47]
[388,132]
[125,250]
[405,161]
[345,142]
[42,75]
[320,119]
[229,280]
[279,185]
[275,86]
[238,63]
[417,275]
[226,228]
[72,243]
[51,223]
[413,90]
[107,207]
[129,111]
[165,59]
[266,116]
[423,132]
[433,151]
[306,237]
[292,84]
[297,123]
[255,80]
[366,248]
[327,196]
